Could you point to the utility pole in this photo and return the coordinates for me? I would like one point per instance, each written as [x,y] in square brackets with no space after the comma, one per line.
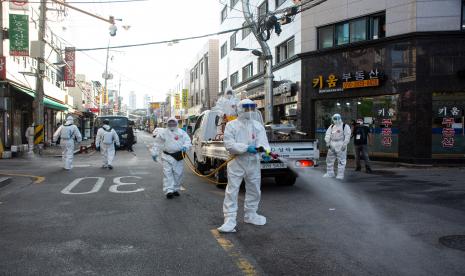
[105,76]
[268,58]
[39,99]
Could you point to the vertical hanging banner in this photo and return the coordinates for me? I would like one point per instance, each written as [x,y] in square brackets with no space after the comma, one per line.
[177,101]
[19,35]
[21,5]
[2,68]
[70,68]
[185,98]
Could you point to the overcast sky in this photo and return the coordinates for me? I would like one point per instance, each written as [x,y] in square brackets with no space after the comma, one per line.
[149,69]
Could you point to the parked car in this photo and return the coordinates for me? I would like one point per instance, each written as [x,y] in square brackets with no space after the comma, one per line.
[119,123]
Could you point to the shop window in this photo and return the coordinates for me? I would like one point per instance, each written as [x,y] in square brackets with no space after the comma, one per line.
[279,2]
[233,3]
[234,79]
[245,31]
[358,30]
[224,84]
[247,72]
[326,37]
[342,34]
[448,132]
[224,49]
[232,41]
[285,50]
[263,9]
[224,14]
[379,113]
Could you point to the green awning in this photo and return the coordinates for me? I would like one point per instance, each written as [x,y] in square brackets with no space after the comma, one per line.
[47,102]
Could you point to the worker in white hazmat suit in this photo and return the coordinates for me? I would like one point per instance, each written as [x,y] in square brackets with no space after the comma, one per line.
[337,138]
[242,137]
[105,142]
[171,142]
[30,132]
[227,104]
[68,133]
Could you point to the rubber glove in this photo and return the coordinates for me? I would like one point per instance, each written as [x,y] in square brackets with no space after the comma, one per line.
[154,157]
[266,158]
[184,149]
[251,149]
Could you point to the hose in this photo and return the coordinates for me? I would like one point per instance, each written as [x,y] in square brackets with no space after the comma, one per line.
[191,166]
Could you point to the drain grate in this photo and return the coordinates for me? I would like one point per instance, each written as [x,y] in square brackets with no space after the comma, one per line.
[454,241]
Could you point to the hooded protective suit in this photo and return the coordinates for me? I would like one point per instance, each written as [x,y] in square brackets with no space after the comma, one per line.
[68,132]
[227,104]
[105,141]
[337,138]
[30,132]
[241,137]
[171,140]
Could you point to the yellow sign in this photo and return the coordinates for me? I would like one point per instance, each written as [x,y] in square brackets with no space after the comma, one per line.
[177,101]
[360,84]
[155,106]
[38,134]
[185,98]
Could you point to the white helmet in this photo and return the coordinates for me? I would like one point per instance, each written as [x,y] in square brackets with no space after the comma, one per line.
[172,123]
[228,94]
[246,109]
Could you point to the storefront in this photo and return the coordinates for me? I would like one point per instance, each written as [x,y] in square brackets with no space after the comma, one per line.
[410,90]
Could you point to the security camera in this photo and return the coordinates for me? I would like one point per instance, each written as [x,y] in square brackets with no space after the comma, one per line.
[113,30]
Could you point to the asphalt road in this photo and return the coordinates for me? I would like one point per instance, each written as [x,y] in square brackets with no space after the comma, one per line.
[90,221]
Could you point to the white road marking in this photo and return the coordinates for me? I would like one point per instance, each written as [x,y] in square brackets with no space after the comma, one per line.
[98,184]
[118,183]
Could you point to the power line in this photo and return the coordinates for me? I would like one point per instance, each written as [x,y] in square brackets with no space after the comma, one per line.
[87,2]
[164,41]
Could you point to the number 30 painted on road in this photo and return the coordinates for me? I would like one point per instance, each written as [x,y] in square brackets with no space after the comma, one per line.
[98,185]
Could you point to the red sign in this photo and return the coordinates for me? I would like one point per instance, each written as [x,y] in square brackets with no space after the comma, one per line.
[2,68]
[448,132]
[387,122]
[448,121]
[70,68]
[386,131]
[448,142]
[387,141]
[94,110]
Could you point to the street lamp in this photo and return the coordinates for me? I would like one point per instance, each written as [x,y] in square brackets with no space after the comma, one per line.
[255,52]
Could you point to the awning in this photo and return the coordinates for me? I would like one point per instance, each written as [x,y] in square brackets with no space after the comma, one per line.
[47,102]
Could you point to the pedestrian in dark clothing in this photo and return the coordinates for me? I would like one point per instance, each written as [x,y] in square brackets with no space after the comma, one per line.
[130,137]
[361,136]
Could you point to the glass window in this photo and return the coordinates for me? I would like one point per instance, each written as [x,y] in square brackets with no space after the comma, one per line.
[247,72]
[233,3]
[279,2]
[325,37]
[358,30]
[448,130]
[201,68]
[224,14]
[463,15]
[224,84]
[290,48]
[342,34]
[246,31]
[234,78]
[224,49]
[232,41]
[285,50]
[378,26]
[263,9]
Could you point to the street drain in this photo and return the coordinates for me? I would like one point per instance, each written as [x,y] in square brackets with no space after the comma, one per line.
[454,241]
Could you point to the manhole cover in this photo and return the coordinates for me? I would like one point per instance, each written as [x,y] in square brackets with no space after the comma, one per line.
[454,242]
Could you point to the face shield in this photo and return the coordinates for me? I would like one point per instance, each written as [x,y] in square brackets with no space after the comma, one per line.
[336,119]
[247,110]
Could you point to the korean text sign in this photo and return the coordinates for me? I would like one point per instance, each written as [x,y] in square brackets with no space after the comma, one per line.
[19,35]
[70,68]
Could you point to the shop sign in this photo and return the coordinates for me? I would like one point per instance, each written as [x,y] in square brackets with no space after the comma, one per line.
[19,35]
[445,111]
[2,68]
[387,122]
[185,98]
[155,106]
[359,79]
[386,132]
[387,141]
[177,101]
[19,5]
[70,68]
[448,133]
[389,112]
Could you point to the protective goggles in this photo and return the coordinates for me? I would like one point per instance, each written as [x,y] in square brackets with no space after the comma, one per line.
[249,107]
[172,124]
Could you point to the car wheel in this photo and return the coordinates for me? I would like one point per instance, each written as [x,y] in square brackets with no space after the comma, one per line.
[201,168]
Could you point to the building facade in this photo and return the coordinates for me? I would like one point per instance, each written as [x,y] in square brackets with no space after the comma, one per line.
[203,79]
[398,65]
[132,100]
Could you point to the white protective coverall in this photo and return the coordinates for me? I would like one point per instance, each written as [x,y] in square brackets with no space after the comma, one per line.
[171,140]
[227,104]
[238,136]
[106,139]
[68,133]
[337,138]
[30,132]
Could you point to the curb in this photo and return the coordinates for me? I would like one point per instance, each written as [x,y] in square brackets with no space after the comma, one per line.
[4,181]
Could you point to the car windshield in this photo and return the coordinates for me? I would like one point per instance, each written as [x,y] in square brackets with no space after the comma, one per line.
[116,122]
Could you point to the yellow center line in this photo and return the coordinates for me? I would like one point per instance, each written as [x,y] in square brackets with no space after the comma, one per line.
[242,263]
[37,179]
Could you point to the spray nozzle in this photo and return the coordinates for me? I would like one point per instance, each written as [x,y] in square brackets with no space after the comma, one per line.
[268,152]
